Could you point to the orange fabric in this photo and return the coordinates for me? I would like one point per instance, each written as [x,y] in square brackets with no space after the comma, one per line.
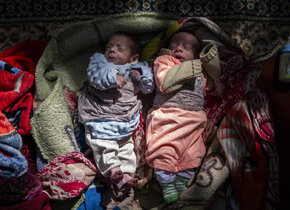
[173,139]
[161,66]
[173,136]
[5,126]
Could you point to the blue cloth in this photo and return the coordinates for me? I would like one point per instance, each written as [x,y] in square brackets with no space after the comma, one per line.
[93,198]
[109,129]
[12,162]
[81,137]
[7,67]
[102,75]
[40,161]
[14,117]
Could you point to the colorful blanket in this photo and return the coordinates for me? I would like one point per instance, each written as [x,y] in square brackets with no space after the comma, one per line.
[239,131]
[67,176]
[17,79]
[17,90]
[17,66]
[235,147]
[261,25]
[12,163]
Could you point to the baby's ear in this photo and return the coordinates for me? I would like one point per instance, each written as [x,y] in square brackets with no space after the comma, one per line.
[135,57]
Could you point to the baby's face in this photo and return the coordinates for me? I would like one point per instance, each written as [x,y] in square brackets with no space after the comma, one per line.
[183,45]
[118,50]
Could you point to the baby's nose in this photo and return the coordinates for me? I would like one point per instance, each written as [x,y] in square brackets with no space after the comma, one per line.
[112,49]
[179,47]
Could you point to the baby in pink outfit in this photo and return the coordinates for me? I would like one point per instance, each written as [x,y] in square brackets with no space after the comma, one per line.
[176,121]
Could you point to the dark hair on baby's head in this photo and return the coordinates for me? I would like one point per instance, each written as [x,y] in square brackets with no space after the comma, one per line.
[190,30]
[136,45]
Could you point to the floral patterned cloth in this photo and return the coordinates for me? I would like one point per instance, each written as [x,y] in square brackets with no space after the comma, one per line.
[67,176]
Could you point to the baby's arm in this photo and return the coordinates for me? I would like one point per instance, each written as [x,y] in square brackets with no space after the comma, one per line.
[121,81]
[170,74]
[101,74]
[144,77]
[135,74]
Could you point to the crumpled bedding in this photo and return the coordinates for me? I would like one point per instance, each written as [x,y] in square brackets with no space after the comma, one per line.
[17,182]
[241,153]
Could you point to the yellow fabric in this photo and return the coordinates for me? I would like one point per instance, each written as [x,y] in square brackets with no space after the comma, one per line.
[157,42]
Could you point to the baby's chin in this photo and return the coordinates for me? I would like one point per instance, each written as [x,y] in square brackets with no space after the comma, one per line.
[112,60]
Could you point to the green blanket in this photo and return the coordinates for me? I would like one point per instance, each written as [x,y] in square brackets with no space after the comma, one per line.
[61,72]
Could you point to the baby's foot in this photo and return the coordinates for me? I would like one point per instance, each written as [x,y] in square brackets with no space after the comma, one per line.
[180,184]
[127,182]
[132,182]
[169,192]
[116,175]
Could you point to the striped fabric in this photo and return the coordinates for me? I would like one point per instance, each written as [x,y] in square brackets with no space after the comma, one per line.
[242,134]
[169,192]
[180,184]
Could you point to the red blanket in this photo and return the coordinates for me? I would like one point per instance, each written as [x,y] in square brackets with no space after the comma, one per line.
[16,93]
[16,100]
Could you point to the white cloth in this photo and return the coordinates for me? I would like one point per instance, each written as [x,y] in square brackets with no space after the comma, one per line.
[109,154]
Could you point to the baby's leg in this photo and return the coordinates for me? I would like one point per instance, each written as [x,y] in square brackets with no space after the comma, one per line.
[105,155]
[182,178]
[166,180]
[128,162]
[127,155]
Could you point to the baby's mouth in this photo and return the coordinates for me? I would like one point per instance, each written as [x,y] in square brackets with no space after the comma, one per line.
[178,57]
[111,59]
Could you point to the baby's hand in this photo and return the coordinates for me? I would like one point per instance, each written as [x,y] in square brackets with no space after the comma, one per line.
[121,81]
[135,74]
[165,51]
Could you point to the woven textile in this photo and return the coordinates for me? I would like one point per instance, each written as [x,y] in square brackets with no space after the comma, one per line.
[259,26]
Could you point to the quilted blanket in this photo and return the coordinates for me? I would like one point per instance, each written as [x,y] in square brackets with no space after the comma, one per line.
[239,137]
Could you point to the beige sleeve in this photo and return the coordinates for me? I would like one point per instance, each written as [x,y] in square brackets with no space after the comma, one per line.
[179,74]
[210,61]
